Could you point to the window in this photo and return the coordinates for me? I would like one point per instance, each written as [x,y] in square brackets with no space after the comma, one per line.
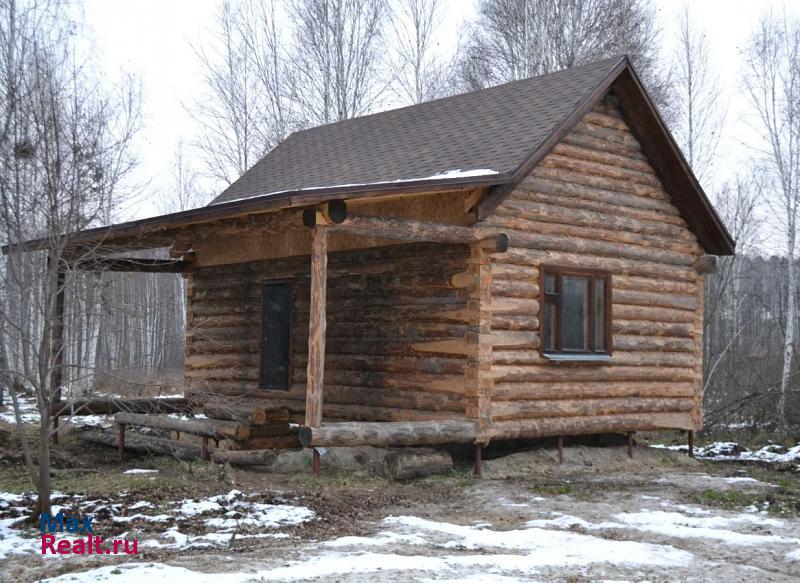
[276,336]
[576,314]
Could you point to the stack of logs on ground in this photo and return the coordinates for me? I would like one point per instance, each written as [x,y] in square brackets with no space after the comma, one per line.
[235,433]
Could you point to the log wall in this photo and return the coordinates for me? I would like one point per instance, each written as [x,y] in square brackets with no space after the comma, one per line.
[396,325]
[595,202]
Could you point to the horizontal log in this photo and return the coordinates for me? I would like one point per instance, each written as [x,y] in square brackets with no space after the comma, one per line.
[388,434]
[203,427]
[590,372]
[413,230]
[110,406]
[591,261]
[535,409]
[412,463]
[253,457]
[601,169]
[598,231]
[132,264]
[244,413]
[603,157]
[534,428]
[144,443]
[590,390]
[596,247]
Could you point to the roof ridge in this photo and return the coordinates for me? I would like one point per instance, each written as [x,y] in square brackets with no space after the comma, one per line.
[439,100]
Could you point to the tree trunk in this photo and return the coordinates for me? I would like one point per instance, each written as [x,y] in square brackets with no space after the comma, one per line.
[788,339]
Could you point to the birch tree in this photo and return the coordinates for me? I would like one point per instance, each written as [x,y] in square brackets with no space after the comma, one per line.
[244,111]
[699,111]
[423,71]
[772,80]
[338,57]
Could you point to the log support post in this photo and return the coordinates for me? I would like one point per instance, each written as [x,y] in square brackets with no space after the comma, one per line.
[691,444]
[630,444]
[316,463]
[316,331]
[478,460]
[560,445]
[204,450]
[57,348]
[121,444]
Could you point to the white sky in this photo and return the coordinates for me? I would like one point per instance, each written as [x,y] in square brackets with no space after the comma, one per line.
[153,40]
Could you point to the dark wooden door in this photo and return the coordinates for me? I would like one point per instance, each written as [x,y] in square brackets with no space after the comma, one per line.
[276,336]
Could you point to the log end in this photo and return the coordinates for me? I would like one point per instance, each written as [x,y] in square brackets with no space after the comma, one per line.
[305,436]
[337,211]
[309,217]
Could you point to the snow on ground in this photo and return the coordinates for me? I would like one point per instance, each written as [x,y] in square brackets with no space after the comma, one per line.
[499,532]
[223,517]
[27,409]
[731,451]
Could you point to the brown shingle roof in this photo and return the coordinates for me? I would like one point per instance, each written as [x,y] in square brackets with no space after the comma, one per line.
[494,129]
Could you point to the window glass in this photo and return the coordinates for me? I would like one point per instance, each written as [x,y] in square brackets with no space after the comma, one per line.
[575,313]
[599,312]
[550,326]
[549,284]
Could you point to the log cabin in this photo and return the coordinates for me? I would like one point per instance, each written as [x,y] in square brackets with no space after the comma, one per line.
[517,262]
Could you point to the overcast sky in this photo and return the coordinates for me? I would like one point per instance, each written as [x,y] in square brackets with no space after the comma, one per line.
[153,39]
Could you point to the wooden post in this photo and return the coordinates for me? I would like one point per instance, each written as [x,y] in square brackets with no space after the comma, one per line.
[121,444]
[630,444]
[316,463]
[478,455]
[204,449]
[691,444]
[560,450]
[57,347]
[316,330]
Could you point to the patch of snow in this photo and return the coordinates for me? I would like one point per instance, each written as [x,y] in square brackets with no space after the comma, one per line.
[193,508]
[139,505]
[544,547]
[793,555]
[708,527]
[140,471]
[150,572]
[382,538]
[445,175]
[732,451]
[262,516]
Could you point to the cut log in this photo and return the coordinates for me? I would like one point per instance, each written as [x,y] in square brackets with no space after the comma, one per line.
[386,434]
[105,406]
[252,457]
[203,427]
[408,464]
[145,443]
[244,413]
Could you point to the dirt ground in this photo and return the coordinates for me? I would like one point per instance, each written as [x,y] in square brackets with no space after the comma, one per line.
[600,516]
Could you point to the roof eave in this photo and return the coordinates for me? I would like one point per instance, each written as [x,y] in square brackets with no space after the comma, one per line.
[140,229]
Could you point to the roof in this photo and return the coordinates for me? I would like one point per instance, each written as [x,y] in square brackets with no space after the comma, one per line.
[483,133]
[488,138]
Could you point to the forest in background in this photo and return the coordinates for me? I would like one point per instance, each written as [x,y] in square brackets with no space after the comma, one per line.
[67,146]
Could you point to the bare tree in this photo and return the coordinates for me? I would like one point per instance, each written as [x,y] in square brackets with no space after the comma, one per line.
[516,39]
[699,112]
[423,72]
[240,115]
[337,57]
[63,152]
[772,79]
